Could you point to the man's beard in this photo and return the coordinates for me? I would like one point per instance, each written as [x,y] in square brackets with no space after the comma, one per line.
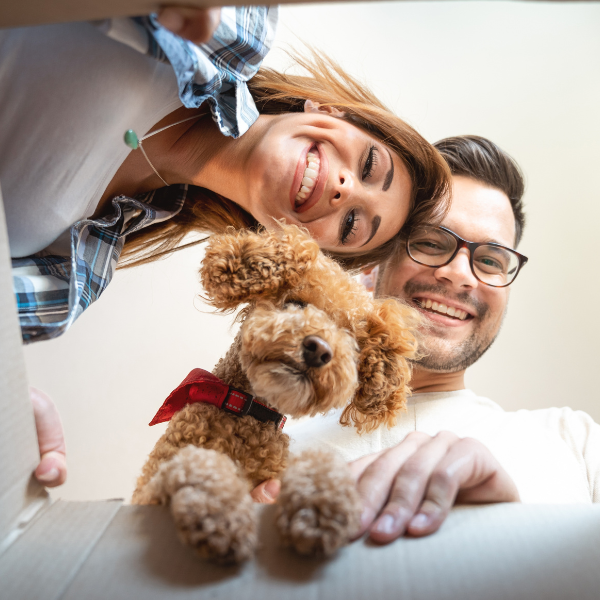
[441,355]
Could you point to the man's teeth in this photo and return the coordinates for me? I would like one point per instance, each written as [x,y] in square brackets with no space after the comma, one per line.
[310,177]
[443,309]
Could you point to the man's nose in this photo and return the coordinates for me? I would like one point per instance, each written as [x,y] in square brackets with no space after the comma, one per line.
[458,272]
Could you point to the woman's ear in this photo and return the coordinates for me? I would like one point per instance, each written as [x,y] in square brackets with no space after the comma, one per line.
[311,106]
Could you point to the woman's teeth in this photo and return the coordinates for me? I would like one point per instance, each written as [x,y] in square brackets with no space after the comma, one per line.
[309,179]
[443,309]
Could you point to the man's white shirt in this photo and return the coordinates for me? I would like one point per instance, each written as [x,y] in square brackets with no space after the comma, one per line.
[553,455]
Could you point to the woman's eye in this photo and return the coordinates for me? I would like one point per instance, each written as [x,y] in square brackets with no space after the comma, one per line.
[349,225]
[370,163]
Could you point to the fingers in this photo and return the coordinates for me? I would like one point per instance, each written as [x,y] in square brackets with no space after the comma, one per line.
[195,24]
[52,470]
[266,492]
[411,487]
[378,475]
[468,473]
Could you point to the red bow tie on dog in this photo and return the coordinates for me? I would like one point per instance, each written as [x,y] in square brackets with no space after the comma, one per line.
[202,386]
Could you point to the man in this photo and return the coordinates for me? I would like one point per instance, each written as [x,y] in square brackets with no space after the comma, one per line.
[451,445]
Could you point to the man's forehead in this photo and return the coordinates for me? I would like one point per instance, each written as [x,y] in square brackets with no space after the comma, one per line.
[480,213]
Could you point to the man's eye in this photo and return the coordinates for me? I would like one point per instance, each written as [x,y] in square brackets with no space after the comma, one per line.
[349,225]
[429,247]
[370,163]
[490,265]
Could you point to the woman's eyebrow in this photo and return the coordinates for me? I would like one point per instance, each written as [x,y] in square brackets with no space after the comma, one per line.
[374,227]
[390,175]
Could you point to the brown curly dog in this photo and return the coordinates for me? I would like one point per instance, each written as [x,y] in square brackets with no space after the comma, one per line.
[312,339]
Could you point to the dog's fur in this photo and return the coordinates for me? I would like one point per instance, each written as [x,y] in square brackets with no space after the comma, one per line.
[207,461]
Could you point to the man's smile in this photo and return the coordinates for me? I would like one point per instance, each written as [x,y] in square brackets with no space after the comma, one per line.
[443,311]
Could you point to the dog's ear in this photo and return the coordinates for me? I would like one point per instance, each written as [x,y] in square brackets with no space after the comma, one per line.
[241,266]
[386,340]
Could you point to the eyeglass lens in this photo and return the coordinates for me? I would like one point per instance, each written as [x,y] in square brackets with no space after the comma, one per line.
[434,247]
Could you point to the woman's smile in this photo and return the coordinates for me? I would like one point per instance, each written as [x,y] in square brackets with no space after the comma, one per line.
[310,178]
[325,174]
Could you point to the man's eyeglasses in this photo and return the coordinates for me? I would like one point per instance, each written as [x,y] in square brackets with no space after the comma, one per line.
[491,263]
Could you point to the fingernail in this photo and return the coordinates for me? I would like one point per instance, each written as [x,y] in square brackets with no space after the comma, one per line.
[419,521]
[49,476]
[272,489]
[171,20]
[385,524]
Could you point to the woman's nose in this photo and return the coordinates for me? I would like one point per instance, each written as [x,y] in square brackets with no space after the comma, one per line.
[342,189]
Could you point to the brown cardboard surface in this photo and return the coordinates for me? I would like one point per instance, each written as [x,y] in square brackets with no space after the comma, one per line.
[493,552]
[42,562]
[38,12]
[18,440]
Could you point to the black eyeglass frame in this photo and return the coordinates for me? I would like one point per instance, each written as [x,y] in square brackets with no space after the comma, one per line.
[471,246]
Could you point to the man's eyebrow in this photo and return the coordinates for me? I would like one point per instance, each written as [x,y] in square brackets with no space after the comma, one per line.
[495,241]
[390,175]
[374,227]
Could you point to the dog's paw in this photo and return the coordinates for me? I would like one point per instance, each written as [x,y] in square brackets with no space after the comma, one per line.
[224,533]
[210,503]
[319,507]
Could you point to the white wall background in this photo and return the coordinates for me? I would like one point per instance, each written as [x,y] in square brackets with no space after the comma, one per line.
[526,75]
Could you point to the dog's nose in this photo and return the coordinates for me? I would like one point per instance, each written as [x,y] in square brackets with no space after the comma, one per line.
[316,351]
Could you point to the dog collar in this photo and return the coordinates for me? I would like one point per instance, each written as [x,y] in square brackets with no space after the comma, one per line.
[202,386]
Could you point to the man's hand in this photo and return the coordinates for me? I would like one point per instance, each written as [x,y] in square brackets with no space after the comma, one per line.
[410,488]
[194,24]
[52,470]
[266,492]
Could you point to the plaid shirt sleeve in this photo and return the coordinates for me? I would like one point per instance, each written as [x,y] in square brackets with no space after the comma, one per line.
[53,291]
[215,72]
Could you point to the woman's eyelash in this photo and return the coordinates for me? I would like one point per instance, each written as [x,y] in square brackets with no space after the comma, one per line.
[349,226]
[370,163]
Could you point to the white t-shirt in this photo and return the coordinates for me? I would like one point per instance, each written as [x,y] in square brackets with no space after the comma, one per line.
[553,455]
[67,95]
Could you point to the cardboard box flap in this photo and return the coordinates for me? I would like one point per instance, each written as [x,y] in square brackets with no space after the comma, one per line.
[44,560]
[492,552]
[18,439]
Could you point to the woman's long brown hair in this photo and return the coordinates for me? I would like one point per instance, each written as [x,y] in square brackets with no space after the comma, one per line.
[275,93]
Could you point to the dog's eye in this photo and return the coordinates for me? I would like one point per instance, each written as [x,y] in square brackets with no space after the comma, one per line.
[298,303]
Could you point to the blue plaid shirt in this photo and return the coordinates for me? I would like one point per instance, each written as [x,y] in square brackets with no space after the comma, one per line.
[52,291]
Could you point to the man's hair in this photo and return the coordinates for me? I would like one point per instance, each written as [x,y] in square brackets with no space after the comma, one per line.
[480,159]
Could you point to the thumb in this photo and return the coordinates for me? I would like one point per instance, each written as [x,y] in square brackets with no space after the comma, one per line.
[266,492]
[52,470]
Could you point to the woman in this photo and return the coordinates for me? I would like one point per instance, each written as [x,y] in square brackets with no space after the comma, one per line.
[361,190]
[323,153]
